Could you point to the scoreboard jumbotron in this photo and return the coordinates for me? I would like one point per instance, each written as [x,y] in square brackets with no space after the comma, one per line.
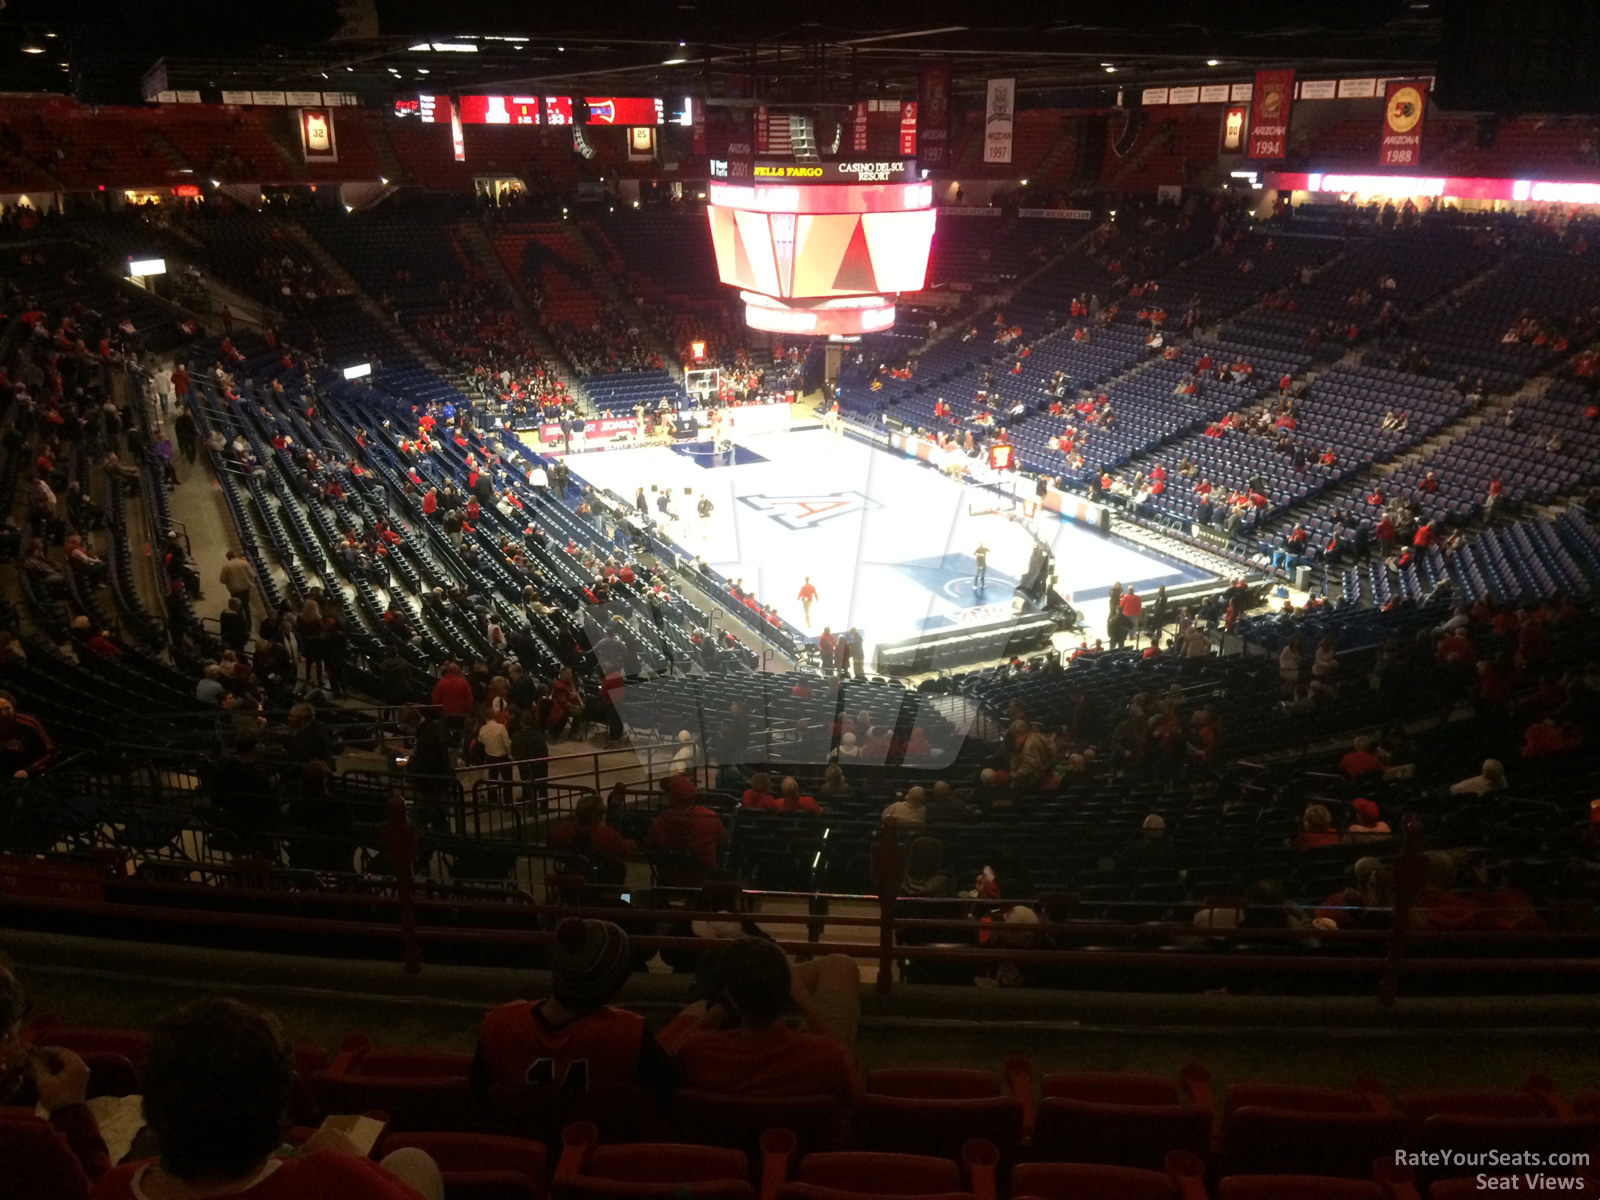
[821,248]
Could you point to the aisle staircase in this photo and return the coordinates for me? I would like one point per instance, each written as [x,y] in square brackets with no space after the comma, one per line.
[472,235]
[331,267]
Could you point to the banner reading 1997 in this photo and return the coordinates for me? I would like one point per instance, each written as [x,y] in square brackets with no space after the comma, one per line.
[1269,114]
[998,113]
[1404,106]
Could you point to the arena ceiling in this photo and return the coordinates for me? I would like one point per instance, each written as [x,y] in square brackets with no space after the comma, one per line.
[822,51]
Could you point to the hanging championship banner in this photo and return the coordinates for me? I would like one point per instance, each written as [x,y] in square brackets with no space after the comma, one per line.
[761,129]
[908,128]
[1269,114]
[1404,106]
[999,112]
[933,116]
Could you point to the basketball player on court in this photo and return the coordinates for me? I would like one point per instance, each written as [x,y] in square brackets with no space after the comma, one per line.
[808,597]
[980,576]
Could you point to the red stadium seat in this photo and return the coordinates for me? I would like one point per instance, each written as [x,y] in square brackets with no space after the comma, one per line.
[480,1166]
[1388,1182]
[739,1121]
[421,1091]
[48,1030]
[1538,1097]
[357,1056]
[1367,1095]
[52,1171]
[1277,1141]
[1112,1087]
[1127,1135]
[1183,1178]
[1474,1135]
[626,1114]
[891,1174]
[932,1083]
[649,1171]
[938,1128]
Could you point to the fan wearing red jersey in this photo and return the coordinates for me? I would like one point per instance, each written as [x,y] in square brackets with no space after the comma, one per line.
[575,1042]
[740,1045]
[218,1080]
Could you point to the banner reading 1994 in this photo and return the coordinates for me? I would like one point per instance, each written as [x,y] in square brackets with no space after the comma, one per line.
[1269,114]
[1404,106]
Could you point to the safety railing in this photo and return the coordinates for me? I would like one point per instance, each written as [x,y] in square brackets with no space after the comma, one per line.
[894,933]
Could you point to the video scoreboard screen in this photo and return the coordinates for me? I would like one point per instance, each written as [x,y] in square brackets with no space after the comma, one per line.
[488,110]
[625,110]
[433,109]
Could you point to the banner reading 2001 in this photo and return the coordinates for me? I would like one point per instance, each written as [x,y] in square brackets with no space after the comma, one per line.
[1269,114]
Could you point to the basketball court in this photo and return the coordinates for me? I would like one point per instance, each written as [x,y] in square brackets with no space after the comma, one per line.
[887,542]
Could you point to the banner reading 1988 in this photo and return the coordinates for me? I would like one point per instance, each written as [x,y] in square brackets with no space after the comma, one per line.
[1404,106]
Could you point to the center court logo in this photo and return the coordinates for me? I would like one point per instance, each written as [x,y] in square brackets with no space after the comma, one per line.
[809,511]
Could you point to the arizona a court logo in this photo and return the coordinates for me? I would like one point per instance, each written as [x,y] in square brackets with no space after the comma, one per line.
[809,511]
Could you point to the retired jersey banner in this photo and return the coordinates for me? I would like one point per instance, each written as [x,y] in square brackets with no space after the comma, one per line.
[999,113]
[1269,114]
[1404,106]
[1233,128]
[316,136]
[933,116]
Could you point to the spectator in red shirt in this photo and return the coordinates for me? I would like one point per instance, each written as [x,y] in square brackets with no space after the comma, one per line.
[587,833]
[1549,736]
[790,800]
[217,1081]
[1361,761]
[759,793]
[452,695]
[574,1043]
[685,830]
[1425,536]
[741,1046]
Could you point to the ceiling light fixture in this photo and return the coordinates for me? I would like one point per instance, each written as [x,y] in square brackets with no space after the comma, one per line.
[32,48]
[673,62]
[455,47]
[1111,70]
[1213,62]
